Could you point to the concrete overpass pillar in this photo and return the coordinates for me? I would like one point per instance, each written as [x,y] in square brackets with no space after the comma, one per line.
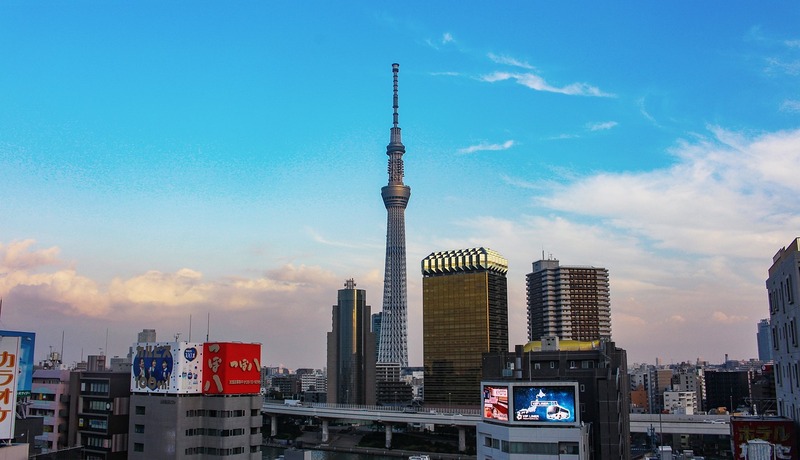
[325,434]
[273,425]
[388,435]
[462,439]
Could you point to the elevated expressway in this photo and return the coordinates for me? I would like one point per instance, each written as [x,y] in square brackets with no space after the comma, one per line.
[466,417]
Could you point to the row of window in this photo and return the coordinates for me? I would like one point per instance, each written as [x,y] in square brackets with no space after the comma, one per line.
[780,297]
[220,452]
[42,412]
[532,448]
[572,364]
[214,432]
[219,413]
[98,405]
[94,387]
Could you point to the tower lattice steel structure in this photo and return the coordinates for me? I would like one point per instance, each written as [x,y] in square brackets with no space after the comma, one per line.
[393,348]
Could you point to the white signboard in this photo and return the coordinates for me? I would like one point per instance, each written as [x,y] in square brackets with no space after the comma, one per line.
[167,367]
[9,369]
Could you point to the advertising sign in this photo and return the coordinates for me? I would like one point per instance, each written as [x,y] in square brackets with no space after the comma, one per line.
[9,368]
[546,403]
[167,367]
[777,431]
[231,368]
[25,362]
[495,402]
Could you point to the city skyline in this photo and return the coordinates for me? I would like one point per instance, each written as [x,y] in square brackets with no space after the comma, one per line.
[162,162]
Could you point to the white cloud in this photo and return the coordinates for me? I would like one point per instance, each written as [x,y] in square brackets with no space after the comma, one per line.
[485,146]
[535,82]
[791,106]
[779,65]
[792,43]
[559,137]
[506,60]
[721,317]
[686,245]
[447,37]
[601,126]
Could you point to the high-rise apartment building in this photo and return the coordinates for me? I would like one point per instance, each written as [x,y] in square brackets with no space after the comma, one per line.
[568,302]
[763,340]
[464,314]
[783,287]
[351,349]
[393,347]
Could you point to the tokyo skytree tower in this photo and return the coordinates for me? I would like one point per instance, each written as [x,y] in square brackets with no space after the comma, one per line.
[392,347]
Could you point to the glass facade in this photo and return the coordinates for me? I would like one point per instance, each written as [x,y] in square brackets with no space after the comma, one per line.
[351,349]
[465,313]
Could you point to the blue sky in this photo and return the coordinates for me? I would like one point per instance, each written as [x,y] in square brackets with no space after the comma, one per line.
[161,161]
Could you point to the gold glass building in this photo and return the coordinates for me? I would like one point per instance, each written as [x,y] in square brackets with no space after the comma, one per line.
[464,314]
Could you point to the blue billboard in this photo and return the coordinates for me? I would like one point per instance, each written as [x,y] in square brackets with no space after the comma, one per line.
[27,343]
[550,403]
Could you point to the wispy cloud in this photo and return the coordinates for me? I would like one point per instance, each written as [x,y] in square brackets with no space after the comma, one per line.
[485,146]
[506,60]
[792,43]
[602,126]
[791,106]
[727,200]
[446,39]
[317,237]
[561,137]
[535,82]
[446,74]
[641,103]
[780,65]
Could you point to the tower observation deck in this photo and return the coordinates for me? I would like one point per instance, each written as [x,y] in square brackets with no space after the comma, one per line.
[392,347]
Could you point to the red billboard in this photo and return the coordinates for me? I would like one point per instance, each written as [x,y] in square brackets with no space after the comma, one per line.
[495,402]
[778,431]
[231,368]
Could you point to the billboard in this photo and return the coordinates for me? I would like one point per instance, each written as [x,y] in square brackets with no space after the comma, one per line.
[546,403]
[9,368]
[25,362]
[495,402]
[778,431]
[167,367]
[231,368]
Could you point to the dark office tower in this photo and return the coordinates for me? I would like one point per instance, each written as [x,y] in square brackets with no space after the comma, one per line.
[570,302]
[393,348]
[351,349]
[464,314]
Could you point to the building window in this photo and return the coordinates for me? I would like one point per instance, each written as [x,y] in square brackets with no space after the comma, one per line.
[138,428]
[537,365]
[583,388]
[138,447]
[789,290]
[139,410]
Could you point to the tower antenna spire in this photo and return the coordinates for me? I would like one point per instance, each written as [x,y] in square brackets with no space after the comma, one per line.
[396,105]
[392,347]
